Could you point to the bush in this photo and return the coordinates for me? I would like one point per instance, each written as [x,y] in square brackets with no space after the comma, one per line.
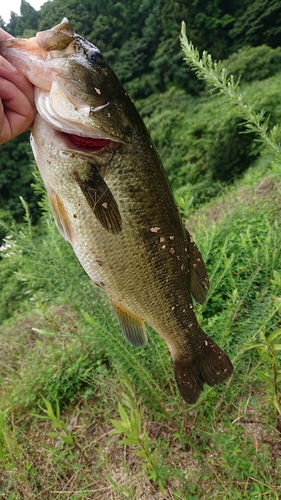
[254,63]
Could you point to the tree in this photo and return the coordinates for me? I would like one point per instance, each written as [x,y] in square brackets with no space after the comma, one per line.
[259,24]
[16,177]
[30,16]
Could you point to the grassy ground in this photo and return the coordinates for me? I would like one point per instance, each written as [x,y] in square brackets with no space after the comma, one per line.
[85,416]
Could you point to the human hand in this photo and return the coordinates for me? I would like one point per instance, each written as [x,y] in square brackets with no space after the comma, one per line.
[17,109]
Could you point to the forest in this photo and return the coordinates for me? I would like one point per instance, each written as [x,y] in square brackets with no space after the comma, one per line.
[82,414]
[140,40]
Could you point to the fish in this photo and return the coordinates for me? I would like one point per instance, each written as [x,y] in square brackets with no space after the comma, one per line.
[111,200]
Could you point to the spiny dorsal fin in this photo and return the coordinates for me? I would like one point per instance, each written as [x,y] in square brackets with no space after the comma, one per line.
[101,200]
[199,276]
[132,326]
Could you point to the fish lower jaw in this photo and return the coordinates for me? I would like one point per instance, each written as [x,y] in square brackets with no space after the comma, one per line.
[88,145]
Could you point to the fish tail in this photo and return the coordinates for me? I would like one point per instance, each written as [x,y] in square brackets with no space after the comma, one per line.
[212,366]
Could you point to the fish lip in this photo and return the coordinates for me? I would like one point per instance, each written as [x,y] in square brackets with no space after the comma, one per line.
[24,47]
[72,147]
[71,127]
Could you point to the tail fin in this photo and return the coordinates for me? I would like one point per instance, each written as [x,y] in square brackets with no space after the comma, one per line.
[212,366]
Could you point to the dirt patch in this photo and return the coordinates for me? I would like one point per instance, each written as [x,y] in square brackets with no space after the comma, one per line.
[267,189]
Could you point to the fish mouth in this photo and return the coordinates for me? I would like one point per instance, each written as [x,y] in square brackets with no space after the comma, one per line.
[69,122]
[87,145]
[79,120]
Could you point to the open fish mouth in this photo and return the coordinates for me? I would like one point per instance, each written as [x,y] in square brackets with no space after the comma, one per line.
[69,120]
[88,142]
[88,145]
[77,122]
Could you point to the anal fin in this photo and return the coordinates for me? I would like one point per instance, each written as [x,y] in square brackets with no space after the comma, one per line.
[132,326]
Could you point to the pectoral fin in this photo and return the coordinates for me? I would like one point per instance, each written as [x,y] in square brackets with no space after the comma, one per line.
[199,277]
[132,326]
[101,200]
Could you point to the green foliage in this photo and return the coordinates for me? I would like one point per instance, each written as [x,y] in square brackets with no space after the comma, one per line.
[11,291]
[90,359]
[58,376]
[259,23]
[245,250]
[269,349]
[83,363]
[10,451]
[203,146]
[12,457]
[61,430]
[202,141]
[219,79]
[27,23]
[16,178]
[136,437]
[254,63]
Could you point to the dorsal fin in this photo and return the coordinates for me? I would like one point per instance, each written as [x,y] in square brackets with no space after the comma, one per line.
[101,200]
[199,276]
[132,326]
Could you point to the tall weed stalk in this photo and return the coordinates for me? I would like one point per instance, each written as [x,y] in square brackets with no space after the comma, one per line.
[221,81]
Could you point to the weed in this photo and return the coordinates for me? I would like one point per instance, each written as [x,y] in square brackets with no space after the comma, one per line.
[223,447]
[15,464]
[136,436]
[219,79]
[62,431]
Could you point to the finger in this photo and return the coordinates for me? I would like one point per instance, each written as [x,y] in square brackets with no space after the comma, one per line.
[15,100]
[11,74]
[4,35]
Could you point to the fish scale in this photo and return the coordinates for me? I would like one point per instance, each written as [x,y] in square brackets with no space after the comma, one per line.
[111,200]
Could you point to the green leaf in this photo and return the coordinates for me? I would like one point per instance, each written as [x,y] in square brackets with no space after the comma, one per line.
[277,405]
[43,417]
[252,346]
[262,336]
[130,441]
[53,434]
[123,415]
[277,277]
[266,378]
[274,335]
[58,409]
[120,428]
[264,355]
[142,454]
[67,439]
[56,424]
[49,409]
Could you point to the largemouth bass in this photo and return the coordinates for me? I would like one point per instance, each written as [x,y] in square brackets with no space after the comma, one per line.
[112,202]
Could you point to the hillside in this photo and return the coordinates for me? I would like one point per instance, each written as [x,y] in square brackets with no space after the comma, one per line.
[83,415]
[65,368]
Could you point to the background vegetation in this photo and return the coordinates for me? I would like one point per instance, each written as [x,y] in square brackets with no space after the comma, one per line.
[82,414]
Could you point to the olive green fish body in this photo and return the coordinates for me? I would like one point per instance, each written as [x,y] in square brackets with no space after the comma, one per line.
[111,200]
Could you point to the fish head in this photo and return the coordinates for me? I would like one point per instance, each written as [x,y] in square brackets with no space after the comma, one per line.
[75,89]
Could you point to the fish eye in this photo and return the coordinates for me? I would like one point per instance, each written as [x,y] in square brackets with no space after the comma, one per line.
[94,56]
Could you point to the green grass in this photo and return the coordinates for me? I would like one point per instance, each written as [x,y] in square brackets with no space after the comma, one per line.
[64,347]
[83,415]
